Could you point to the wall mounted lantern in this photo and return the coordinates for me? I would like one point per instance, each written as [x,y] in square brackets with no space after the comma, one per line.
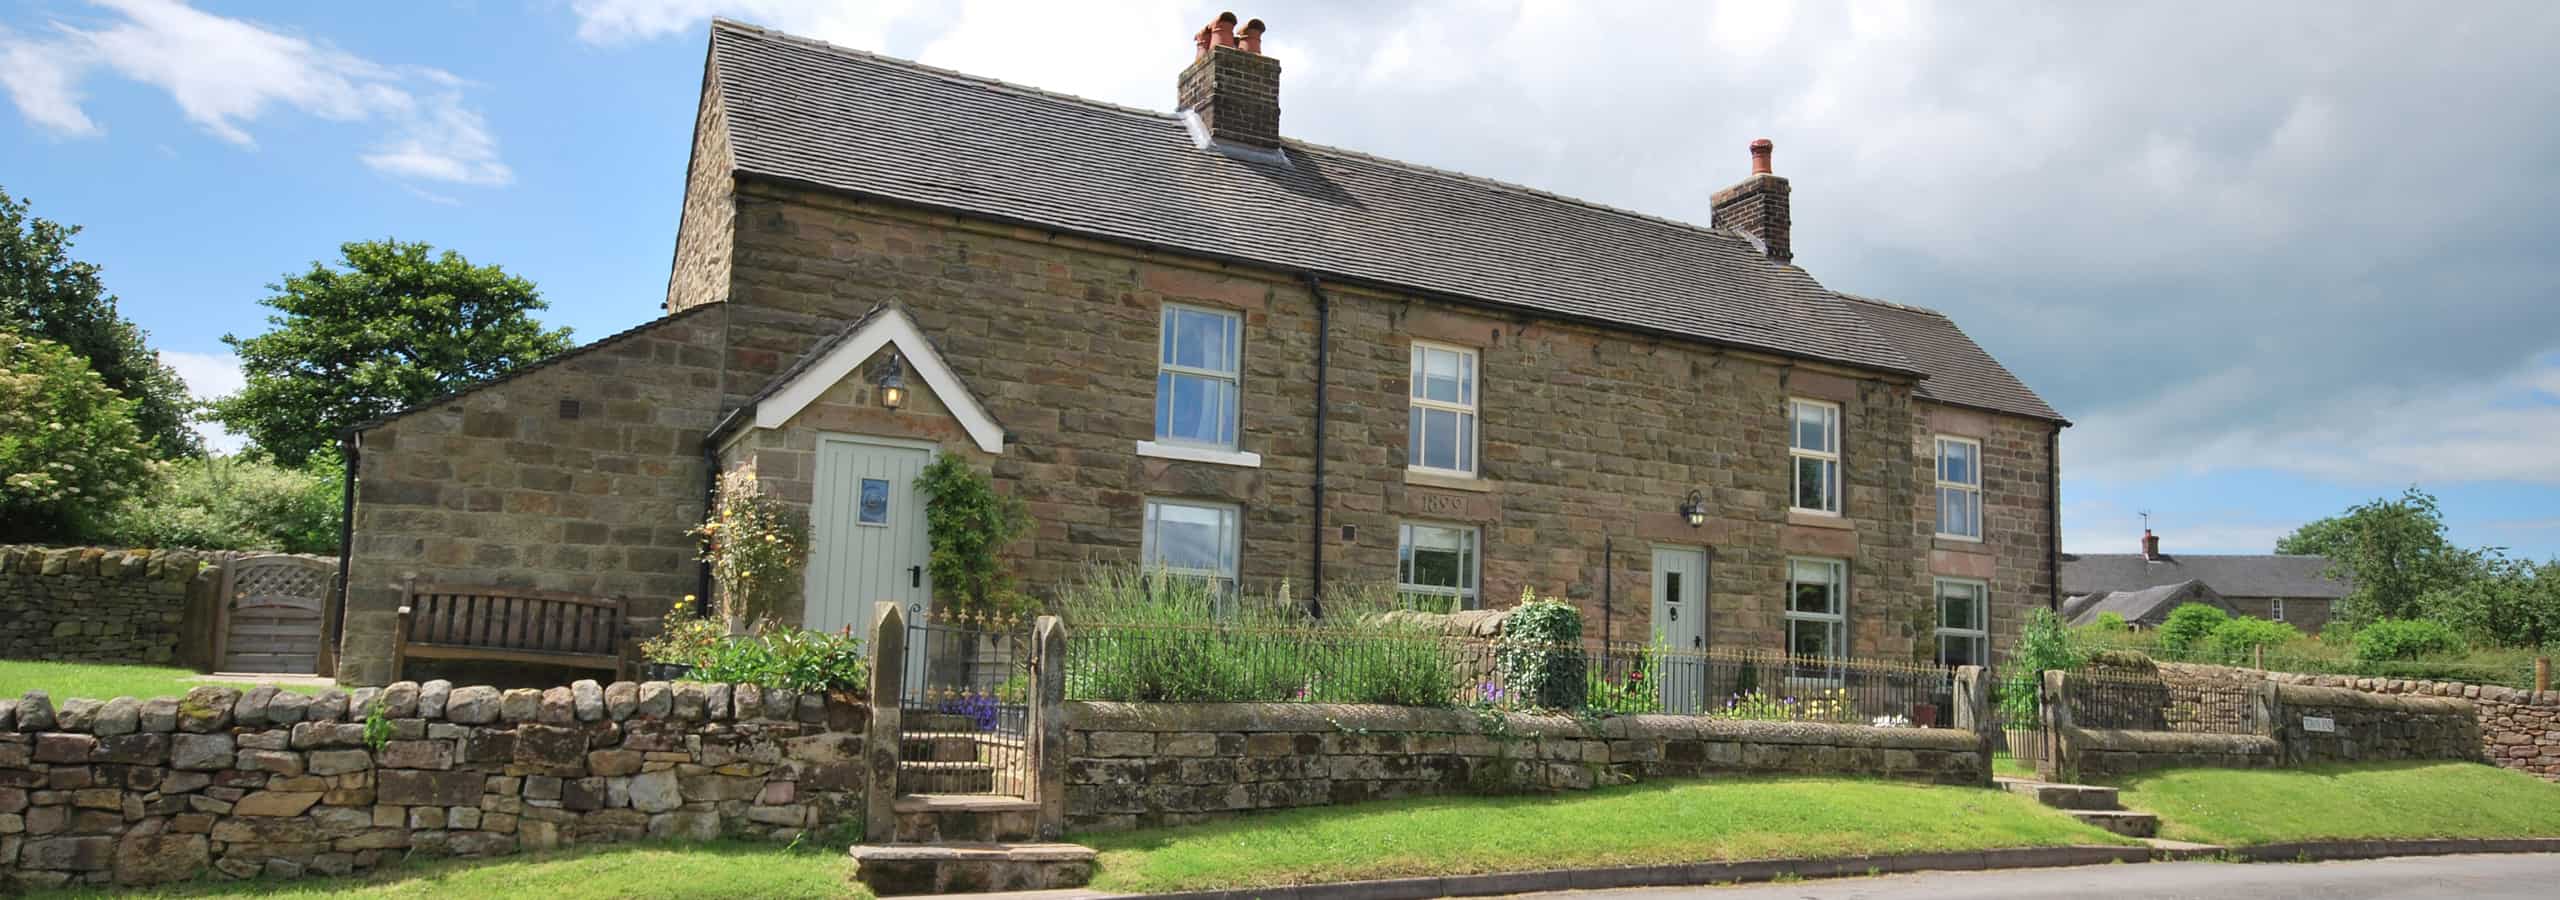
[1694,509]
[893,383]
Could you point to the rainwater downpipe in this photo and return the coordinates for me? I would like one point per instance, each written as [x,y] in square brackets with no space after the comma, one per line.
[349,451]
[2053,509]
[711,500]
[1324,341]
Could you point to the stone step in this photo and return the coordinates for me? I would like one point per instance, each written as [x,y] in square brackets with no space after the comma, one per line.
[938,748]
[920,777]
[2124,822]
[2064,796]
[928,818]
[970,868]
[912,721]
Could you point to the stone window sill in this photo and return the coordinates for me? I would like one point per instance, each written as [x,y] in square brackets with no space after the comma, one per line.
[1237,458]
[1819,520]
[1960,544]
[1449,482]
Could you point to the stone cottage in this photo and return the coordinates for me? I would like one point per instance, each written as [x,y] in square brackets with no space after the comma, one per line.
[1186,339]
[2301,591]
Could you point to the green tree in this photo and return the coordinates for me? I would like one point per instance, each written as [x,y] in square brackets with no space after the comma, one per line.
[2232,641]
[2392,551]
[45,293]
[2188,626]
[232,503]
[397,326]
[68,446]
[2508,602]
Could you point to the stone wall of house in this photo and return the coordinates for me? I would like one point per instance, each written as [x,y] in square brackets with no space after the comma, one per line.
[96,604]
[223,783]
[2013,558]
[581,474]
[1143,764]
[2369,727]
[701,271]
[1591,438]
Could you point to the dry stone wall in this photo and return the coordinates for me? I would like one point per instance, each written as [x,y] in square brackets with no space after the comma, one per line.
[2517,729]
[2357,726]
[89,603]
[227,783]
[1134,765]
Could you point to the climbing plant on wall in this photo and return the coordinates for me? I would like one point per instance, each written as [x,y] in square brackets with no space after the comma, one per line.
[970,524]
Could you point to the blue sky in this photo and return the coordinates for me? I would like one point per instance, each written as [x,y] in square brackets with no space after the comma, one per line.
[2265,265]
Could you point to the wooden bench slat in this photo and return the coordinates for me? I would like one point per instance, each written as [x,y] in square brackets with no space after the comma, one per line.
[510,625]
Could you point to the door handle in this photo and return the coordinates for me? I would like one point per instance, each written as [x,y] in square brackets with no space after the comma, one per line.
[915,576]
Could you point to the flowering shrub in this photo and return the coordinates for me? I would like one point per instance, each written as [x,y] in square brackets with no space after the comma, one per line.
[686,638]
[755,545]
[1822,706]
[68,445]
[1539,653]
[980,708]
[1638,692]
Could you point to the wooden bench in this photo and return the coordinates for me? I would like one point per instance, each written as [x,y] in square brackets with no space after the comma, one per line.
[510,625]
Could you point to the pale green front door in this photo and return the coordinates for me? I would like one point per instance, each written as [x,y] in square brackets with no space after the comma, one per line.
[867,540]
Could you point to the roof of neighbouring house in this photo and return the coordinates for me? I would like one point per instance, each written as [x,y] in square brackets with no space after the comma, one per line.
[1960,371]
[2304,577]
[2148,606]
[809,113]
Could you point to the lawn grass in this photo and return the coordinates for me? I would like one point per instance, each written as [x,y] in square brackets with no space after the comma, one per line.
[2374,800]
[102,681]
[1662,822]
[723,869]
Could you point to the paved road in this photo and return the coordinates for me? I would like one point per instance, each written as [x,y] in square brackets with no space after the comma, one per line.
[2483,877]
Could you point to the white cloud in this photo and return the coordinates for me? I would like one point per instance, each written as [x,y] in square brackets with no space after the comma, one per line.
[225,74]
[210,375]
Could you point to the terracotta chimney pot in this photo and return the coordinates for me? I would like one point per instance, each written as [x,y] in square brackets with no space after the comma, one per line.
[1760,156]
[1250,39]
[1223,31]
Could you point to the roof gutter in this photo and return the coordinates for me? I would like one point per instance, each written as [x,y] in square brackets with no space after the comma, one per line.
[1337,278]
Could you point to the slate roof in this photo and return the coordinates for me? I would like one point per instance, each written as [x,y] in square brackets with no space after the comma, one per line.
[2149,606]
[1960,371]
[2232,576]
[810,113]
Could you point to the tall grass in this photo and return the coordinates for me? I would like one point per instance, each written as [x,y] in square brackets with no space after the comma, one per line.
[1141,635]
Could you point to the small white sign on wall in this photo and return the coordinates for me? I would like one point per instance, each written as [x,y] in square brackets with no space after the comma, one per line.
[2319,724]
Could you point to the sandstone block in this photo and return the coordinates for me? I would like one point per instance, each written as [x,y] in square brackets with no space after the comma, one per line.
[431,698]
[586,699]
[620,699]
[206,709]
[202,752]
[122,715]
[474,705]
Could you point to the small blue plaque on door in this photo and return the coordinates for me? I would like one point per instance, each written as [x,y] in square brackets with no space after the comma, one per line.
[875,501]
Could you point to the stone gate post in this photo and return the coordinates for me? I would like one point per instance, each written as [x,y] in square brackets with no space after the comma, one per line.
[880,745]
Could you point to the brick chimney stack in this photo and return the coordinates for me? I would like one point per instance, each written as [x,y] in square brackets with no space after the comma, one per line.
[1231,86]
[2150,546]
[1757,206]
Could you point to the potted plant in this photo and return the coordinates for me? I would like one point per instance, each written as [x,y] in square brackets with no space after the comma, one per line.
[755,544]
[686,640]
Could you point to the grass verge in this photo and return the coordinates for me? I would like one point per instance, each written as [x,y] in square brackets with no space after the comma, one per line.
[1662,822]
[100,681]
[723,869]
[2374,800]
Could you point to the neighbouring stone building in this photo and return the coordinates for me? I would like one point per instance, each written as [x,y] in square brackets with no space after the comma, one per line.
[1185,339]
[2301,591]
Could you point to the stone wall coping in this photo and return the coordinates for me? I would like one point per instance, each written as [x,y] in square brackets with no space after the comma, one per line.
[213,708]
[108,562]
[2414,704]
[2492,693]
[2113,740]
[1354,717]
